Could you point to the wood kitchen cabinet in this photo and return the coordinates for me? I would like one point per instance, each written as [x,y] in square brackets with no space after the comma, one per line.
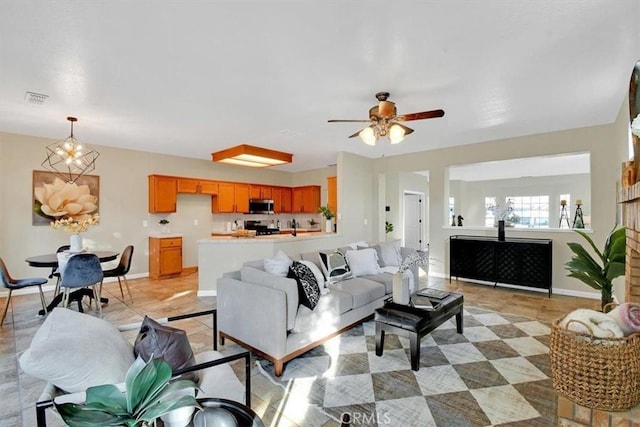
[165,257]
[306,199]
[197,186]
[232,198]
[260,191]
[163,193]
[332,193]
[281,199]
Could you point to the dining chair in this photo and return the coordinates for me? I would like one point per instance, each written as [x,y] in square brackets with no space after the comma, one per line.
[82,271]
[54,270]
[122,269]
[10,283]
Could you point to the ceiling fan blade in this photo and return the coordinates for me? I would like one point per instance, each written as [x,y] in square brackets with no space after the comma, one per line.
[422,115]
[355,134]
[348,121]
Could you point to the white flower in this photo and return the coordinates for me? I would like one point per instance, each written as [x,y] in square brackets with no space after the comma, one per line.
[62,199]
[414,259]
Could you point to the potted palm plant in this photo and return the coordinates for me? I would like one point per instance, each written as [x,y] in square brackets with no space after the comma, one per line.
[328,215]
[599,273]
[150,394]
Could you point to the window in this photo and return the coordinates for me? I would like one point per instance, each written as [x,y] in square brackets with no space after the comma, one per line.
[452,210]
[490,219]
[529,211]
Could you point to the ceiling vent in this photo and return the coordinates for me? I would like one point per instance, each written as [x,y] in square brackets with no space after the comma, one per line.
[35,98]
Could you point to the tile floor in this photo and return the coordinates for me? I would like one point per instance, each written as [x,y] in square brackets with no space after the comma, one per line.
[160,298]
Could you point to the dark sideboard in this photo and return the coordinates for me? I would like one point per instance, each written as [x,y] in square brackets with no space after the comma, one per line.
[517,261]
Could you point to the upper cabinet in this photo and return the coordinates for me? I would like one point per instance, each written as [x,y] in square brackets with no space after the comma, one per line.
[306,199]
[163,193]
[260,191]
[197,186]
[232,198]
[332,193]
[281,199]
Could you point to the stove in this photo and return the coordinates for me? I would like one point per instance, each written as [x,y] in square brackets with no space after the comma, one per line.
[260,229]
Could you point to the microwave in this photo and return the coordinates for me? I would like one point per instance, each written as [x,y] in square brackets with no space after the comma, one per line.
[261,206]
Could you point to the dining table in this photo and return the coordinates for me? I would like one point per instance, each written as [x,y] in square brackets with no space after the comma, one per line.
[51,261]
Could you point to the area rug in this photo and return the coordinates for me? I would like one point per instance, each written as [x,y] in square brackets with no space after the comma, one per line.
[495,374]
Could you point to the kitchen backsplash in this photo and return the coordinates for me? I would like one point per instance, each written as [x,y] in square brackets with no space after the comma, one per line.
[220,221]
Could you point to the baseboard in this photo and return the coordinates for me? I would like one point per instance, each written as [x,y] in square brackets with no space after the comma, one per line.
[556,291]
[208,293]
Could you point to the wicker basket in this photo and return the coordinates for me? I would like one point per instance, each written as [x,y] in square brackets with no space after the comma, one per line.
[600,373]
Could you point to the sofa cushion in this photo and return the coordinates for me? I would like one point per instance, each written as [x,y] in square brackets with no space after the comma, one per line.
[314,257]
[334,266]
[288,286]
[362,262]
[308,289]
[278,265]
[328,309]
[74,351]
[389,253]
[383,278]
[318,275]
[362,290]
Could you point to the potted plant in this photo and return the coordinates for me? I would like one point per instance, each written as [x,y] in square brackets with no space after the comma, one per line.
[164,226]
[388,227]
[328,215]
[150,394]
[599,274]
[312,223]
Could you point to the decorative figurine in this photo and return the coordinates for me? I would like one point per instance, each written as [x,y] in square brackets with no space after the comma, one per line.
[460,220]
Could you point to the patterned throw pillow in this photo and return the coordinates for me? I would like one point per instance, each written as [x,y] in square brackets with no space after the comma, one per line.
[334,266]
[308,289]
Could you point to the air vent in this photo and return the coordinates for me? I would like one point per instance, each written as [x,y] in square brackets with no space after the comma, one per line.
[35,98]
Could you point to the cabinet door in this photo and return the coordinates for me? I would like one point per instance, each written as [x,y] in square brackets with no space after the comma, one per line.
[170,260]
[242,198]
[276,195]
[297,200]
[163,194]
[254,192]
[311,199]
[225,201]
[187,185]
[286,195]
[472,259]
[266,192]
[525,264]
[208,187]
[332,193]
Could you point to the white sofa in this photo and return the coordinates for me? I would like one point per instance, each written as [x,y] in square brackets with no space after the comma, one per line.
[261,311]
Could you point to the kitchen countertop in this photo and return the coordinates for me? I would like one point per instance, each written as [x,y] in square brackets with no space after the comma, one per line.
[165,236]
[301,235]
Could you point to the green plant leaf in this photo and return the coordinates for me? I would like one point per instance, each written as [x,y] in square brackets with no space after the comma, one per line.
[162,407]
[593,245]
[134,370]
[155,374]
[166,390]
[107,396]
[75,415]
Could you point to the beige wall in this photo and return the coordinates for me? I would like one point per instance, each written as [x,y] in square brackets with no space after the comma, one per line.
[123,201]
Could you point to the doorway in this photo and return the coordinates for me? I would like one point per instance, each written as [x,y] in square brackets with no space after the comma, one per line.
[413,230]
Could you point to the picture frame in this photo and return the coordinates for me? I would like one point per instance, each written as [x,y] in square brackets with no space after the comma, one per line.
[40,195]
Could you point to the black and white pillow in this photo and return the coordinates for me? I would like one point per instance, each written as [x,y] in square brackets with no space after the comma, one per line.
[334,266]
[308,288]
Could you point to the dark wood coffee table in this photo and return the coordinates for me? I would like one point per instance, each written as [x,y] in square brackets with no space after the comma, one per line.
[414,323]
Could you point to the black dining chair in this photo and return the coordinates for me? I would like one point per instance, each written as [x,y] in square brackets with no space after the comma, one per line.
[122,269]
[82,271]
[10,283]
[54,270]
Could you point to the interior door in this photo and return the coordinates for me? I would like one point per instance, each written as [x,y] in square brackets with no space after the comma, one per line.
[413,220]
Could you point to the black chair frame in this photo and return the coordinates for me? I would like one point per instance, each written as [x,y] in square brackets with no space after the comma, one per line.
[42,406]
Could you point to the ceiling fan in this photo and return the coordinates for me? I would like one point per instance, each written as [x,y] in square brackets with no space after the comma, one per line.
[385,121]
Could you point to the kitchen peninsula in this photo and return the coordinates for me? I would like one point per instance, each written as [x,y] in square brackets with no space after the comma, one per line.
[221,254]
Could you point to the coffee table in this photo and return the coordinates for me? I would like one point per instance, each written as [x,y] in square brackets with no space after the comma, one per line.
[414,323]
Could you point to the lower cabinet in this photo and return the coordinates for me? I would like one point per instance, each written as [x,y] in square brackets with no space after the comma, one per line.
[165,257]
[524,262]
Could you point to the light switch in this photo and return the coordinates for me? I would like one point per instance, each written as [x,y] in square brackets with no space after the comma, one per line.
[366,221]
[145,223]
[195,222]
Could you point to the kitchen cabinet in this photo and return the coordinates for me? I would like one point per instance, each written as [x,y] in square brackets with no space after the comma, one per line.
[332,194]
[287,200]
[281,199]
[197,186]
[306,199]
[165,257]
[260,191]
[232,198]
[163,194]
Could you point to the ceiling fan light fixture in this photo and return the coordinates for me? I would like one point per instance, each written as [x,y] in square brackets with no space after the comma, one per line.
[396,134]
[368,136]
[251,156]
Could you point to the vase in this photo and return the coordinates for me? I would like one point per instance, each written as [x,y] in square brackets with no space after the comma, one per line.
[328,226]
[501,231]
[401,293]
[75,242]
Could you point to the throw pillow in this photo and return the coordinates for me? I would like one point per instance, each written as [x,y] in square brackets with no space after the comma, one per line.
[278,265]
[362,262]
[75,351]
[318,275]
[389,253]
[308,289]
[334,266]
[162,341]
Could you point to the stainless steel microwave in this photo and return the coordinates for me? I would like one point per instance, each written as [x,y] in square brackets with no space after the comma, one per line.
[261,206]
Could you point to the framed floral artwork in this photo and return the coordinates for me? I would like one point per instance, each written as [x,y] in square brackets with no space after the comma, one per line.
[54,198]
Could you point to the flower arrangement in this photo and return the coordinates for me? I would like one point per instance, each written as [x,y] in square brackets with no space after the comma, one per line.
[76,225]
[503,214]
[414,259]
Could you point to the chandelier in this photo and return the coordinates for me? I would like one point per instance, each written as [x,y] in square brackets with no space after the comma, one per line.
[69,159]
[394,131]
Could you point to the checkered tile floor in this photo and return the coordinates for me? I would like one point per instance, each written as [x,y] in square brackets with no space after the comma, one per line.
[496,373]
